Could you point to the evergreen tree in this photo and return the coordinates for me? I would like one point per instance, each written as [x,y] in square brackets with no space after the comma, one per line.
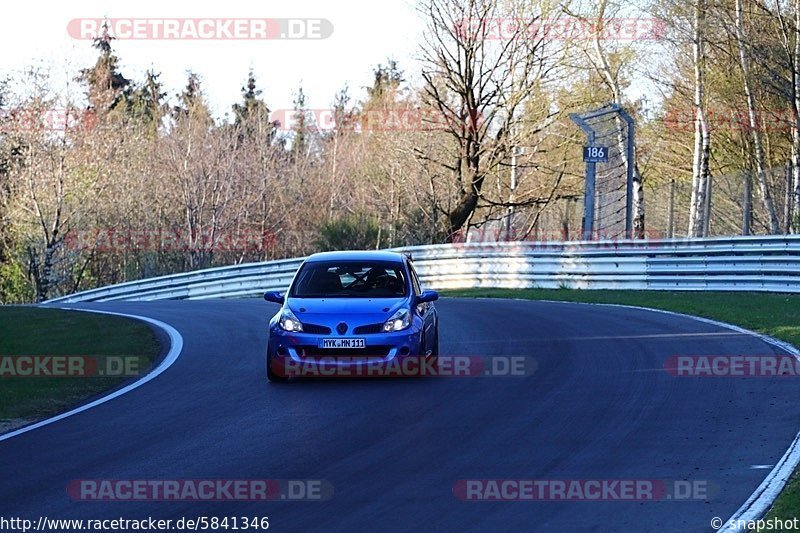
[191,103]
[147,100]
[343,113]
[300,126]
[251,117]
[107,87]
[385,92]
[387,79]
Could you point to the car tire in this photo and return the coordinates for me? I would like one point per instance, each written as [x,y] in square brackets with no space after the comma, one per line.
[272,377]
[433,358]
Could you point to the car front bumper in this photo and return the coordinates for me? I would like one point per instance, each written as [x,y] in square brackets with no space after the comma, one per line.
[398,354]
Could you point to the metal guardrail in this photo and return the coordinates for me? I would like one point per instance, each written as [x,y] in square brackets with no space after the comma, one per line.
[715,264]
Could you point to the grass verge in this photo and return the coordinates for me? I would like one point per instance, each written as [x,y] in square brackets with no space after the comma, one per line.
[103,351]
[776,315]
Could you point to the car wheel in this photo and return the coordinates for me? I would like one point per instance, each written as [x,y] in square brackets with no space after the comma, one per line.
[433,358]
[272,376]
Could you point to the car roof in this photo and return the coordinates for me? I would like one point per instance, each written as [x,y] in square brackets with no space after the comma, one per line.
[357,255]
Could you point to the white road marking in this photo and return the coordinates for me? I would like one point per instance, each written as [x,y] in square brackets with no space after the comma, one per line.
[176,346]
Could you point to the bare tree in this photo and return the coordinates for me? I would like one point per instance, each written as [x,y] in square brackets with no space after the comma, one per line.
[479,81]
[702,137]
[761,174]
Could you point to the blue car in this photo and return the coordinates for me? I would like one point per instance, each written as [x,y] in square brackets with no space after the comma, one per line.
[351,312]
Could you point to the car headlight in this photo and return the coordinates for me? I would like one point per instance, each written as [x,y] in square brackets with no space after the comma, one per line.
[399,321]
[289,322]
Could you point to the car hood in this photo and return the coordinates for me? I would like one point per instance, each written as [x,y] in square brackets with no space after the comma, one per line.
[361,310]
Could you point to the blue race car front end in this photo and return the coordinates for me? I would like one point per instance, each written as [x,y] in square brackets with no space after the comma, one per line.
[352,346]
[351,317]
[299,351]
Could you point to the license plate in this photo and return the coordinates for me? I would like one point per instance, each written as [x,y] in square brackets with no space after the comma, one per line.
[342,343]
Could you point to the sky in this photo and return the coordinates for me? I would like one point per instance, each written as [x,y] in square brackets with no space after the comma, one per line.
[365,33]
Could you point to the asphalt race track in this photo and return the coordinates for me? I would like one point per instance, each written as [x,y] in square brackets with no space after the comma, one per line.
[599,406]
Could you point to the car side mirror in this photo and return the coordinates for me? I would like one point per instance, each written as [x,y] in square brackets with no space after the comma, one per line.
[427,296]
[274,296]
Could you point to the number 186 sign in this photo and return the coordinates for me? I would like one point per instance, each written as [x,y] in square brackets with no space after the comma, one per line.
[595,154]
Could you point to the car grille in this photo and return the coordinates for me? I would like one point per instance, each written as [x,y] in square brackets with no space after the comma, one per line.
[369,351]
[315,329]
[369,329]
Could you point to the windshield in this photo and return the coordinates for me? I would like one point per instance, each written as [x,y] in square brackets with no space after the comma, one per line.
[348,279]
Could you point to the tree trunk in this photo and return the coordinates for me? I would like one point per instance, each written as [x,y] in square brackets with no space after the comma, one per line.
[616,94]
[787,200]
[707,208]
[462,211]
[468,199]
[763,186]
[702,139]
[747,203]
[671,214]
[796,114]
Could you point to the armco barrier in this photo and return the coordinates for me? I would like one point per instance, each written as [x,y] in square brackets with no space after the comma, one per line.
[719,264]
